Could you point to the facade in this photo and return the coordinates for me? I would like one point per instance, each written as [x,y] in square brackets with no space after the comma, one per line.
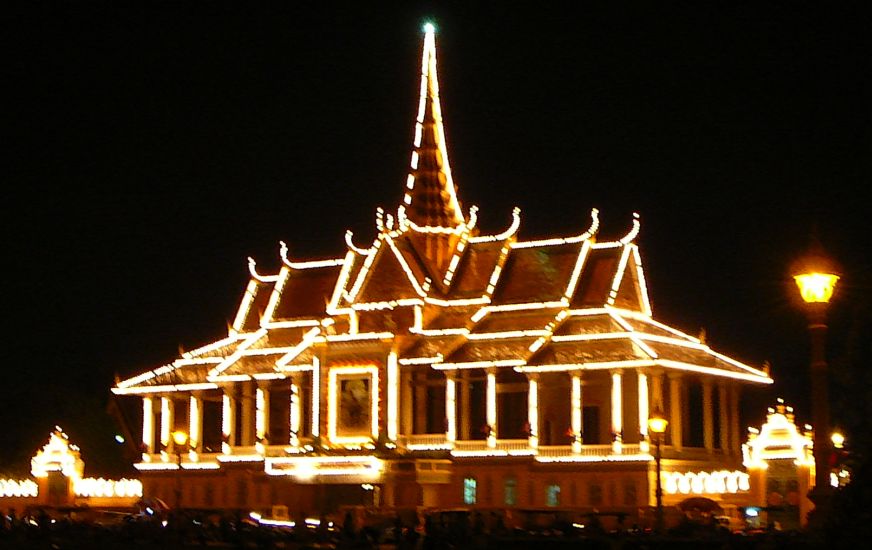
[438,366]
[779,459]
[58,482]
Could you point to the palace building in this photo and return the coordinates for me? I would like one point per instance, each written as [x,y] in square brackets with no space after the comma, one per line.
[439,366]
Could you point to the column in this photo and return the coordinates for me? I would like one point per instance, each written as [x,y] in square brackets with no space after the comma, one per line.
[657,390]
[406,402]
[644,411]
[492,407]
[533,409]
[450,407]
[464,404]
[248,412]
[228,419]
[316,394]
[261,415]
[195,422]
[735,445]
[167,419]
[576,412]
[708,428]
[148,424]
[724,417]
[296,414]
[393,389]
[420,379]
[675,408]
[617,411]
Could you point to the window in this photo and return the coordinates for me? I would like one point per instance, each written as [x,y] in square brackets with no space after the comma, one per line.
[469,490]
[595,494]
[552,495]
[629,493]
[510,491]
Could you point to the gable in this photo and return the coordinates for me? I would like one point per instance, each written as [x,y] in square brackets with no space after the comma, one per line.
[597,276]
[386,280]
[536,274]
[306,292]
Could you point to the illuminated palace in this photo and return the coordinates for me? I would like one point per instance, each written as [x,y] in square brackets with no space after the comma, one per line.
[440,366]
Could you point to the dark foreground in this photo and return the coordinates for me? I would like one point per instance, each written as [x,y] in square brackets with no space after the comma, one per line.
[154,535]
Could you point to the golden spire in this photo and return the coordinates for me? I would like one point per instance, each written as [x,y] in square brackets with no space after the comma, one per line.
[430,199]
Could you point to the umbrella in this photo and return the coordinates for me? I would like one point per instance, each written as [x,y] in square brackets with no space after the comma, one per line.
[700,504]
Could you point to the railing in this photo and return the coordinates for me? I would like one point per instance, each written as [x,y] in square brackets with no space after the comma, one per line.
[423,440]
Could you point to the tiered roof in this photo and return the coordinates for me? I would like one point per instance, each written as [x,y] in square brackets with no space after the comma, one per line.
[438,293]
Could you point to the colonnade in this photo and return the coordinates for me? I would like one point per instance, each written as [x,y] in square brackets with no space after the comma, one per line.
[245,411]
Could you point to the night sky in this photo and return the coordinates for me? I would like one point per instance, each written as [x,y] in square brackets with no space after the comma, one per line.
[151,149]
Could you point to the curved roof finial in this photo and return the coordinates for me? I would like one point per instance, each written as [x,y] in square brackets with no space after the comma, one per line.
[628,238]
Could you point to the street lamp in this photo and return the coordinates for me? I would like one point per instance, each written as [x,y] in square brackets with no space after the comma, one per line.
[816,276]
[657,426]
[180,439]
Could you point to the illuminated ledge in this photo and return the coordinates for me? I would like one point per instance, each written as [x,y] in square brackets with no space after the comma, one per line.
[240,458]
[429,446]
[310,467]
[492,452]
[156,466]
[174,466]
[609,458]
[200,465]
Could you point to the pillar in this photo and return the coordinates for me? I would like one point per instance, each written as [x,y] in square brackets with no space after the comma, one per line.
[735,445]
[644,411]
[420,389]
[576,421]
[676,395]
[657,390]
[296,414]
[228,419]
[261,423]
[195,422]
[492,407]
[450,407]
[533,409]
[617,411]
[406,402]
[248,413]
[148,424]
[167,418]
[464,404]
[724,416]
[393,389]
[708,427]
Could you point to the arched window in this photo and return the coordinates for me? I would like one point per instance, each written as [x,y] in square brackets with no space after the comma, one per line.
[552,495]
[510,491]
[469,490]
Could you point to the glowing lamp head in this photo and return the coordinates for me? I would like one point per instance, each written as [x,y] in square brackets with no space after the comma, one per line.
[815,274]
[180,438]
[429,28]
[816,287]
[657,422]
[838,440]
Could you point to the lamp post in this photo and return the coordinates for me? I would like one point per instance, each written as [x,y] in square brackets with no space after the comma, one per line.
[816,276]
[180,439]
[657,426]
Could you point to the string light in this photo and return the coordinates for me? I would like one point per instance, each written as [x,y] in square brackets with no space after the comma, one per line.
[425,293]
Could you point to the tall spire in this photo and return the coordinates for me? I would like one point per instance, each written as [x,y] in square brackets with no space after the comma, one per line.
[430,199]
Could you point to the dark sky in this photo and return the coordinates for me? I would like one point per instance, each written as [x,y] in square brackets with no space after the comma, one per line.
[155,146]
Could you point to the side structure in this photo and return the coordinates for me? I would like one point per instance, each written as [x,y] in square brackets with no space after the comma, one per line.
[438,366]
